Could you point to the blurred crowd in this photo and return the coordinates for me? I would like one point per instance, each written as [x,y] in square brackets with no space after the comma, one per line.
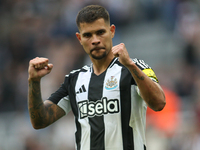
[46,28]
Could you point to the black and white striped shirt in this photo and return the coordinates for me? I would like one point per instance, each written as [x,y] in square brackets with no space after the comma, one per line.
[109,113]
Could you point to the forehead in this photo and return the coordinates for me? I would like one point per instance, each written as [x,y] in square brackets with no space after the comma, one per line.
[94,26]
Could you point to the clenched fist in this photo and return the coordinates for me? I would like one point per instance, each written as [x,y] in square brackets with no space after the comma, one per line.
[121,52]
[39,67]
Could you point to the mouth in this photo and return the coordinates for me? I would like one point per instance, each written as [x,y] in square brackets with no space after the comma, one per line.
[96,49]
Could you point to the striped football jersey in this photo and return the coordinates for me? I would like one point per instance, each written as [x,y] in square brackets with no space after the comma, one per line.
[109,112]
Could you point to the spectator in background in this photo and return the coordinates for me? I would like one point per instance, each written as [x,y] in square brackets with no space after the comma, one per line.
[188,29]
[169,13]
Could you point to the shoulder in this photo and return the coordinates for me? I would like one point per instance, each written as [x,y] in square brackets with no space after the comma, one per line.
[146,69]
[141,64]
[77,71]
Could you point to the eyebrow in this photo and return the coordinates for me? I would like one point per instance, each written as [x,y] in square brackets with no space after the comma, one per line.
[100,30]
[94,32]
[86,33]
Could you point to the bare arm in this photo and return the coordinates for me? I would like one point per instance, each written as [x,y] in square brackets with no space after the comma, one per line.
[41,113]
[150,91]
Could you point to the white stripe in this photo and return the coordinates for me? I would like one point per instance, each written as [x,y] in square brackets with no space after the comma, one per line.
[113,132]
[143,63]
[74,71]
[86,67]
[138,63]
[138,119]
[113,62]
[83,79]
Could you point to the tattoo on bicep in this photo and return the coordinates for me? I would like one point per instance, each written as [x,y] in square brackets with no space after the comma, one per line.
[59,111]
[137,74]
[51,113]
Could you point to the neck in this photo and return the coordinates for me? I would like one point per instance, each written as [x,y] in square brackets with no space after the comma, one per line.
[99,66]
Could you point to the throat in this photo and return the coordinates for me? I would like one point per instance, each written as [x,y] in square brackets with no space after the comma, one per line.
[100,66]
[98,71]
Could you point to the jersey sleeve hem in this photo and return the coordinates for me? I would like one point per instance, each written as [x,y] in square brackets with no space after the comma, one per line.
[64,103]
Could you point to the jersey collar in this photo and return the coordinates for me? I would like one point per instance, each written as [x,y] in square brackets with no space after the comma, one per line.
[109,66]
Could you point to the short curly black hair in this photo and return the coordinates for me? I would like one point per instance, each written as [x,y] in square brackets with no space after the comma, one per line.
[92,13]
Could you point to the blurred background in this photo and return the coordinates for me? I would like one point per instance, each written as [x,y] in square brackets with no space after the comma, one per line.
[164,33]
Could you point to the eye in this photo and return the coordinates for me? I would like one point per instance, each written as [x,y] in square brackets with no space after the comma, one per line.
[87,35]
[100,32]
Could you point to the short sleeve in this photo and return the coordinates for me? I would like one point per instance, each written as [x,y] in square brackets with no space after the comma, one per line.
[146,69]
[61,93]
[64,103]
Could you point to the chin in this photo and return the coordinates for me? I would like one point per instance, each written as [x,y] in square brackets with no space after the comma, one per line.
[99,57]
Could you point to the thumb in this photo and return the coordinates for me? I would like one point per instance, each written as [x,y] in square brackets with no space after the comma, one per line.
[49,67]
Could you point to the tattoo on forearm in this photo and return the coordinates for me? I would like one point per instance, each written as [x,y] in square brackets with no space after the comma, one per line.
[34,92]
[35,105]
[137,74]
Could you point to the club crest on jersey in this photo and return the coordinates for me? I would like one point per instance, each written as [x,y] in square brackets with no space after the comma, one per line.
[111,83]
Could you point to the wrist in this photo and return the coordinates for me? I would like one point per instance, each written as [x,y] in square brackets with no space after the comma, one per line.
[130,65]
[34,79]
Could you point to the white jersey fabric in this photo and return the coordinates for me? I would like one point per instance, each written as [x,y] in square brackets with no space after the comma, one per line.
[109,112]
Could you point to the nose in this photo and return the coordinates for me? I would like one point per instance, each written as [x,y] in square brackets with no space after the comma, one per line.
[95,40]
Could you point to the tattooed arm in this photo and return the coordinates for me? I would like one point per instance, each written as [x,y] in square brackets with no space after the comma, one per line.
[41,113]
[150,91]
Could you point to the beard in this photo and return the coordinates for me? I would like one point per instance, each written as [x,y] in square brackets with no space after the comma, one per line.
[99,56]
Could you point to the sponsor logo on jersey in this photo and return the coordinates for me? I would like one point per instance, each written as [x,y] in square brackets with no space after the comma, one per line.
[111,83]
[81,89]
[98,108]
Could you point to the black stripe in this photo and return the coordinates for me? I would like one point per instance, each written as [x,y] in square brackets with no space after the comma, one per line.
[78,134]
[71,89]
[125,95]
[80,90]
[144,147]
[96,122]
[83,87]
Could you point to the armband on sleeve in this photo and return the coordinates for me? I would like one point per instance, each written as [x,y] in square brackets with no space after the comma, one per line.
[150,73]
[146,69]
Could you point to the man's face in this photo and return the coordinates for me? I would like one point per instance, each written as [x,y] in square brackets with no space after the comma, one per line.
[96,38]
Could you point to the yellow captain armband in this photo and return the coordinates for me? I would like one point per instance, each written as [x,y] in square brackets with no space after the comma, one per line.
[150,73]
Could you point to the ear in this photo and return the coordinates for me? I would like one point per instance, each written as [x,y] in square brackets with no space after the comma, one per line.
[112,30]
[78,35]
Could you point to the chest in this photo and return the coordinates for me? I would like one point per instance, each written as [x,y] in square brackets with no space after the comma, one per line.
[93,88]
[100,95]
